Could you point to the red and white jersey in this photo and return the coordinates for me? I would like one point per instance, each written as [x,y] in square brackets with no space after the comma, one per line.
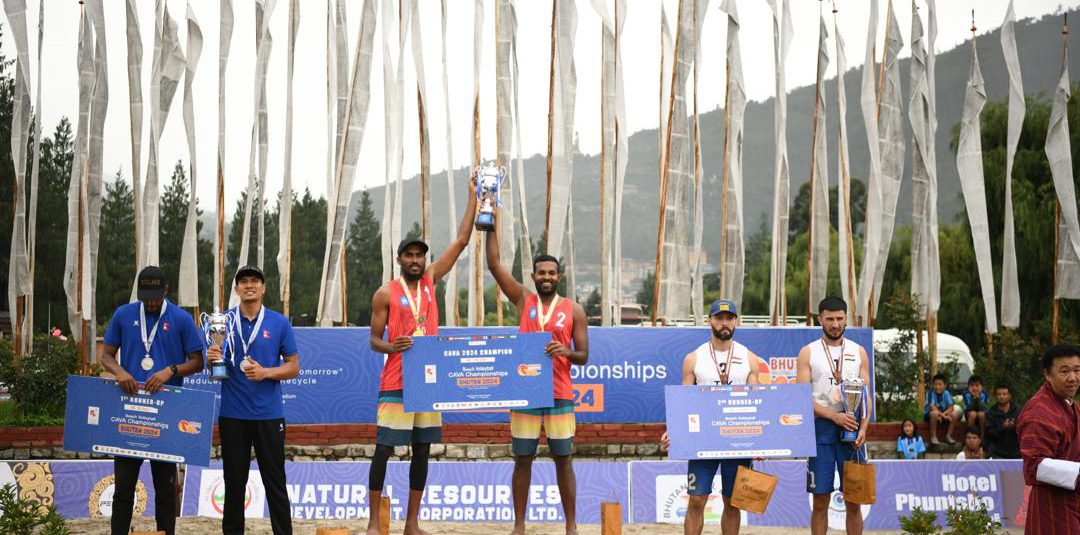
[561,326]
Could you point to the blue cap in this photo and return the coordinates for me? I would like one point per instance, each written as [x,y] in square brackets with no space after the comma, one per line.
[723,305]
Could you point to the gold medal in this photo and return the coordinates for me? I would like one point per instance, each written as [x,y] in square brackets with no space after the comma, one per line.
[147,363]
[416,304]
[544,317]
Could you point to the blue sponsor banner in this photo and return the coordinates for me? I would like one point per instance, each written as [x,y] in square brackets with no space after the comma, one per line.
[173,425]
[739,421]
[78,489]
[623,381]
[477,371]
[659,492]
[455,491]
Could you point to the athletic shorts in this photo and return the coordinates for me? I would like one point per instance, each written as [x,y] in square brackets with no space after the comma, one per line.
[700,474]
[558,423]
[830,458]
[399,428]
[957,413]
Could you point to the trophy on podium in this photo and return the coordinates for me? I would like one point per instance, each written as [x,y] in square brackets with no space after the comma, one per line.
[216,328]
[853,390]
[489,181]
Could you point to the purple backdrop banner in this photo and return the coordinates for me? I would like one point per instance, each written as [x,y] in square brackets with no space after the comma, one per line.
[624,379]
[78,489]
[456,491]
[659,492]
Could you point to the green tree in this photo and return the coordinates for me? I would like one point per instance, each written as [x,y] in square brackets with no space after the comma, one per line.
[592,303]
[308,250]
[7,168]
[116,271]
[644,296]
[172,222]
[799,217]
[50,302]
[364,261]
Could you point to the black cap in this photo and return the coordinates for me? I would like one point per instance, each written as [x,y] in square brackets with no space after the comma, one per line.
[151,284]
[248,271]
[411,241]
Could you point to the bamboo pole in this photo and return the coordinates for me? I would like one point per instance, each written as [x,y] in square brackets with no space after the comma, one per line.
[810,227]
[1055,316]
[220,267]
[921,380]
[664,179]
[605,252]
[724,176]
[344,289]
[849,262]
[17,327]
[83,347]
[551,127]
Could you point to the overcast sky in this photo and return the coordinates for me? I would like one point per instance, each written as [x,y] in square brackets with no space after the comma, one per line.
[639,50]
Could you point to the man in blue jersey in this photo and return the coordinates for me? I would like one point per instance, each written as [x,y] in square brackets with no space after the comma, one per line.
[158,345]
[260,352]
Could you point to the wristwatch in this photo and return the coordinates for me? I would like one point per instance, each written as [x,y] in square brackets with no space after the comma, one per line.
[173,368]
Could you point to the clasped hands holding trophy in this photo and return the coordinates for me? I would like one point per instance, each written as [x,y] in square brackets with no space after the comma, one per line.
[851,394]
[218,329]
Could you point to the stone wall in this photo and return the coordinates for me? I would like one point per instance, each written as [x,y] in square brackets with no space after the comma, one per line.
[461,442]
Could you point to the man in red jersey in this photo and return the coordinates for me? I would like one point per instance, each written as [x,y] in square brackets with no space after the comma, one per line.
[406,307]
[545,311]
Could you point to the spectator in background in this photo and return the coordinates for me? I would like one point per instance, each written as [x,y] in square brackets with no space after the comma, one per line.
[909,445]
[939,408]
[1001,439]
[973,446]
[976,401]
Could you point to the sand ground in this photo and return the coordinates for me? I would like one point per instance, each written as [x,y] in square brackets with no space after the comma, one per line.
[208,526]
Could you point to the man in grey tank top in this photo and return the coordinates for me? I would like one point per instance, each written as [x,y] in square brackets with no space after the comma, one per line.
[719,361]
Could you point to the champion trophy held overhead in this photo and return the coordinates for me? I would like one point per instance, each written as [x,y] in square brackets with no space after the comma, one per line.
[489,182]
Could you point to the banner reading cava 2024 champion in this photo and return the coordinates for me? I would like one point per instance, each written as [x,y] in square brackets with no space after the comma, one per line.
[622,383]
[477,371]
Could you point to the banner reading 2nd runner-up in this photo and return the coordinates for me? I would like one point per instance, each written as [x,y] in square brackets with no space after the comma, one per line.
[495,371]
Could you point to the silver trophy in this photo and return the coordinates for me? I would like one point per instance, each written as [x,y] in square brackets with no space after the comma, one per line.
[489,181]
[853,391]
[216,328]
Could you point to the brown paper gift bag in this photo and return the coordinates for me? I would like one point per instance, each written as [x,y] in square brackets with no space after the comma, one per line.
[860,483]
[753,490]
[610,518]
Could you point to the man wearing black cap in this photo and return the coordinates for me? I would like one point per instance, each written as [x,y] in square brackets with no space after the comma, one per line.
[260,353]
[158,344]
[401,309]
[719,361]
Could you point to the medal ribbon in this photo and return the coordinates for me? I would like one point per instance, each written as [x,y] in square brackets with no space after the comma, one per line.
[544,317]
[254,331]
[415,305]
[148,340]
[726,373]
[836,365]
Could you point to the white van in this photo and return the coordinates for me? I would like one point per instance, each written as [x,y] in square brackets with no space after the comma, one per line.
[949,349]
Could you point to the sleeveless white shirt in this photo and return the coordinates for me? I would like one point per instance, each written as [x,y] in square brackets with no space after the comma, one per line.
[707,372]
[823,386]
